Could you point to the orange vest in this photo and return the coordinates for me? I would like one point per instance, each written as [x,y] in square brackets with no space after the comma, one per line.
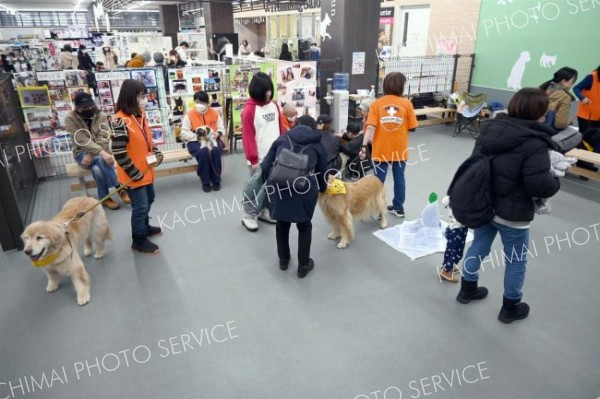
[591,111]
[139,147]
[210,119]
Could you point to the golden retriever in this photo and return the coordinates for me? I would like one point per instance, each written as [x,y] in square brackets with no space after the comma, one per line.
[363,199]
[55,249]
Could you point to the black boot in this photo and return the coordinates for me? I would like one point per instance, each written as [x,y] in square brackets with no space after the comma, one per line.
[152,230]
[142,244]
[304,270]
[513,309]
[469,291]
[283,263]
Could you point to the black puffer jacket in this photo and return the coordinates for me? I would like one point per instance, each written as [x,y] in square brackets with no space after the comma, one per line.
[521,168]
[297,206]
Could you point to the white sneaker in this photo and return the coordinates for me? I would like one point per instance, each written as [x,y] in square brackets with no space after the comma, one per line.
[265,217]
[250,223]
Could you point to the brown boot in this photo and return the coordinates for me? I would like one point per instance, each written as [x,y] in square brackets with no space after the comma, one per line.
[111,204]
[124,197]
[449,276]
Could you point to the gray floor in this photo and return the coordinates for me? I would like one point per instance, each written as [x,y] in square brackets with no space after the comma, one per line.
[367,321]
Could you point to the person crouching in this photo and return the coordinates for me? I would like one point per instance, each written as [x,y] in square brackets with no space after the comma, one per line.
[207,146]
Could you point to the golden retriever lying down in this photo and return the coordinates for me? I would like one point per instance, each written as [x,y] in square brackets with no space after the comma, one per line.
[363,199]
[55,249]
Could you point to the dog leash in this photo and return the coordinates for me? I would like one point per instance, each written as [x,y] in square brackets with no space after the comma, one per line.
[82,214]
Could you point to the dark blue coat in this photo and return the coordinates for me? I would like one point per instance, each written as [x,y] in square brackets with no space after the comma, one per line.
[290,205]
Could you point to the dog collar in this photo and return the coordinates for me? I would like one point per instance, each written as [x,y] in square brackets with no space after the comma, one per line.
[337,187]
[45,261]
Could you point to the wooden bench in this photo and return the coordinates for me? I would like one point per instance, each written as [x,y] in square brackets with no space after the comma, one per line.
[587,156]
[74,170]
[447,115]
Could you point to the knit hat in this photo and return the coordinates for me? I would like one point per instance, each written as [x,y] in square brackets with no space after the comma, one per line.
[146,56]
[366,104]
[83,99]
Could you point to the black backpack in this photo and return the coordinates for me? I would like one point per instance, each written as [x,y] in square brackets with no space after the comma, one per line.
[291,168]
[471,191]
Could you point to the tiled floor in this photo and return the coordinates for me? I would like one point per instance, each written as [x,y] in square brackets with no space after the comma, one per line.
[367,323]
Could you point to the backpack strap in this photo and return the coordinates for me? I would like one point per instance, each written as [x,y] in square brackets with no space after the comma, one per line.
[293,144]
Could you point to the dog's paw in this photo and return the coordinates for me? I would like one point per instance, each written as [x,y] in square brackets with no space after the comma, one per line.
[87,250]
[83,299]
[333,236]
[383,224]
[51,287]
[342,244]
[99,254]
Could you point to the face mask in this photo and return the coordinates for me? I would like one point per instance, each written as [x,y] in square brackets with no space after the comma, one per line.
[87,113]
[142,103]
[174,59]
[201,108]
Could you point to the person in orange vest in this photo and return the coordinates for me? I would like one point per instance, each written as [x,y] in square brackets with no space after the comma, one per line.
[588,109]
[136,157]
[290,115]
[205,145]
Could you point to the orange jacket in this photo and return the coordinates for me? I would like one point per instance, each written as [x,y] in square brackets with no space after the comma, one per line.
[130,151]
[591,111]
[135,62]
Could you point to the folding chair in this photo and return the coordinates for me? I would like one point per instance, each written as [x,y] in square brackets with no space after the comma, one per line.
[468,114]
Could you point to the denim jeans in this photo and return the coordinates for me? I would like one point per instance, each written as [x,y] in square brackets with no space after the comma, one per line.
[209,162]
[515,243]
[104,175]
[141,201]
[381,168]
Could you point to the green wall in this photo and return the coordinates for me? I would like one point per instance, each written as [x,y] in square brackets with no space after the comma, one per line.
[512,31]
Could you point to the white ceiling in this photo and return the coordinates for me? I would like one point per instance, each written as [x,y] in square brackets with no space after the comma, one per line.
[69,4]
[44,4]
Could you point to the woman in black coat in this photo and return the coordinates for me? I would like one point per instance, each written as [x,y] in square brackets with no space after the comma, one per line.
[520,172]
[287,205]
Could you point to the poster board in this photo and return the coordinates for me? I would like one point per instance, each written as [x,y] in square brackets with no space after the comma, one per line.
[297,85]
[240,76]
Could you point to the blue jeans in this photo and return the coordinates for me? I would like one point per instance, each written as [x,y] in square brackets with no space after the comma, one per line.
[381,168]
[104,175]
[209,162]
[515,242]
[141,201]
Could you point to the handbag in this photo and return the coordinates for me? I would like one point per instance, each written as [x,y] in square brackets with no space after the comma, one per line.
[567,139]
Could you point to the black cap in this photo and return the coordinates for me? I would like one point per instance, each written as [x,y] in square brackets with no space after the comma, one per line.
[83,100]
[324,118]
[307,120]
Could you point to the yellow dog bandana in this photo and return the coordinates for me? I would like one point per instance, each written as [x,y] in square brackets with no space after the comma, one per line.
[336,188]
[45,261]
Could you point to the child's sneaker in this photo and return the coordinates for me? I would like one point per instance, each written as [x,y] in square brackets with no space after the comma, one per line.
[448,275]
[396,212]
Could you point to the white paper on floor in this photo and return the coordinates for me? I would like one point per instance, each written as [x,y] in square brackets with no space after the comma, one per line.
[417,238]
